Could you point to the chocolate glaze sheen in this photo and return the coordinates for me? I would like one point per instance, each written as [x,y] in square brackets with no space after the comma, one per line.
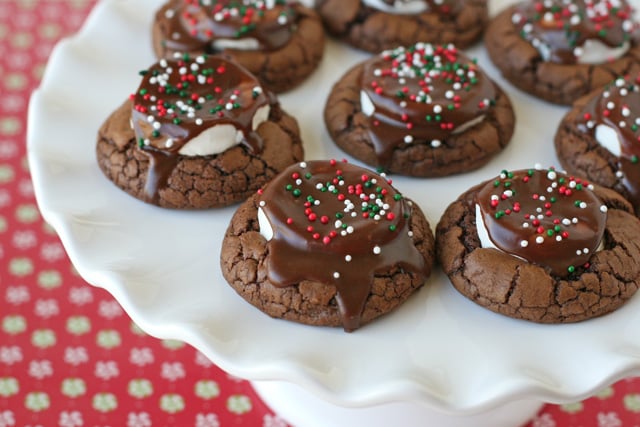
[422,94]
[564,26]
[179,99]
[543,216]
[337,224]
[618,107]
[194,25]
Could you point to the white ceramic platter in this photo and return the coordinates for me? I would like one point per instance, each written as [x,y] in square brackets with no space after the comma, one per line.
[163,266]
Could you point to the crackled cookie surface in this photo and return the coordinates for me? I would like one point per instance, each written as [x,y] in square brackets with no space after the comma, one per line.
[422,110]
[327,243]
[541,245]
[280,41]
[199,132]
[559,50]
[376,25]
[600,138]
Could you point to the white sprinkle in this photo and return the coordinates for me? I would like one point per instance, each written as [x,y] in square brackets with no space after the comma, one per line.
[585,250]
[348,258]
[336,275]
[583,205]
[410,233]
[298,181]
[603,209]
[262,203]
[199,121]
[408,139]
[156,125]
[524,243]
[551,175]
[435,143]
[539,239]
[376,250]
[437,109]
[169,143]
[578,252]
[303,165]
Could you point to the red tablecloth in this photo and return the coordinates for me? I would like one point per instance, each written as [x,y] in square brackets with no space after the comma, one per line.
[69,355]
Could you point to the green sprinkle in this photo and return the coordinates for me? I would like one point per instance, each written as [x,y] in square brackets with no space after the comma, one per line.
[392,227]
[397,197]
[297,192]
[289,187]
[634,159]
[571,269]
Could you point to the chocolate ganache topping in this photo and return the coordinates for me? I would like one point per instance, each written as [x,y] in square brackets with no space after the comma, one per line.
[337,224]
[567,31]
[544,216]
[195,106]
[421,95]
[213,25]
[617,109]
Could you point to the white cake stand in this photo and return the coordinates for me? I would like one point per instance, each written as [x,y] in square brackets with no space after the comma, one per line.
[438,351]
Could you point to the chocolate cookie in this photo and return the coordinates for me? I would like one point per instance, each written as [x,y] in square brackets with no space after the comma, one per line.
[540,245]
[327,243]
[376,25]
[281,42]
[559,50]
[598,138]
[424,110]
[198,133]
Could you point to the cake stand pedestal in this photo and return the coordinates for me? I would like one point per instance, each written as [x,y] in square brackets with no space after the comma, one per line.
[303,409]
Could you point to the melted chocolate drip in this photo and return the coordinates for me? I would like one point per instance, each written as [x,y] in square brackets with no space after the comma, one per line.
[563,26]
[618,107]
[178,100]
[543,216]
[193,27]
[337,224]
[422,94]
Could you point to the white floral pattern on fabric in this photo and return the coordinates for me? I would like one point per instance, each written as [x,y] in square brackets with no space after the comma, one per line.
[69,354]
